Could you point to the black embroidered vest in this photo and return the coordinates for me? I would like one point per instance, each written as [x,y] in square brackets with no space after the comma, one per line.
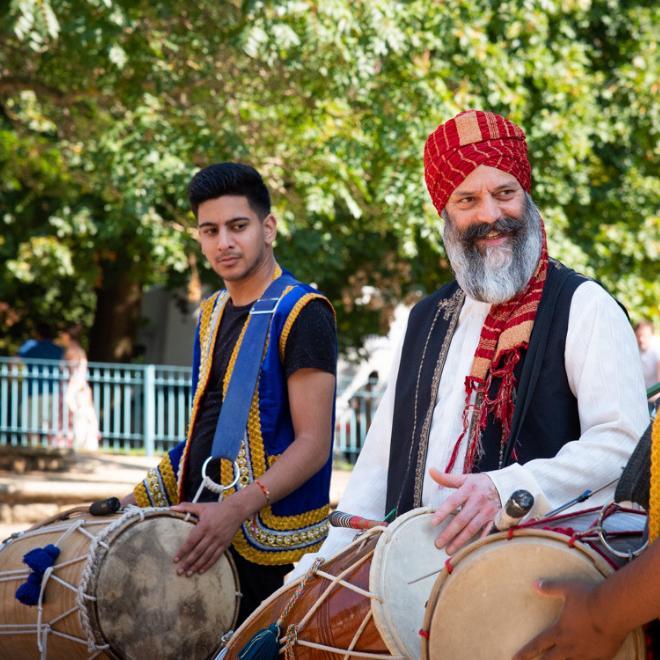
[545,415]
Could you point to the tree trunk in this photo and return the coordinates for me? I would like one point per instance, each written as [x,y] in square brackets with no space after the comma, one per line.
[118,301]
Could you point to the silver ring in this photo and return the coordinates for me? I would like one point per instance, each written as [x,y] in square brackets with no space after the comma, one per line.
[212,485]
[629,554]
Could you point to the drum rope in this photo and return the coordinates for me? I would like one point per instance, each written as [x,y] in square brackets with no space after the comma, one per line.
[334,581]
[367,617]
[15,574]
[59,527]
[43,629]
[351,654]
[349,585]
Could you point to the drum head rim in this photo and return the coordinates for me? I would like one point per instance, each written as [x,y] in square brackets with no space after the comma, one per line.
[94,624]
[600,564]
[380,613]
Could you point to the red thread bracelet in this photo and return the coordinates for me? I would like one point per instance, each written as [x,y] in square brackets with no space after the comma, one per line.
[264,490]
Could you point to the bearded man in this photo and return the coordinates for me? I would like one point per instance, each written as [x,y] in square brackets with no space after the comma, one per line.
[520,374]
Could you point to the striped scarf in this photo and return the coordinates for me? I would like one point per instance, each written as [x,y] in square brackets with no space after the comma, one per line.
[504,336]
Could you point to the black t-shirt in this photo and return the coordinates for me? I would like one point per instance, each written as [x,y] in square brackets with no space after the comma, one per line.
[311,344]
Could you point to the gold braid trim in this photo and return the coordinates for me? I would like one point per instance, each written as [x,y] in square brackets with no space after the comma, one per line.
[152,484]
[270,558]
[207,335]
[297,521]
[169,480]
[654,491]
[257,450]
[141,497]
[293,315]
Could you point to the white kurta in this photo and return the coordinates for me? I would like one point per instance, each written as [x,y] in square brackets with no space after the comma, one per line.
[604,373]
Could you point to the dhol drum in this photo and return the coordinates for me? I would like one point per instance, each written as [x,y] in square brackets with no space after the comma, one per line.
[113,592]
[483,604]
[368,601]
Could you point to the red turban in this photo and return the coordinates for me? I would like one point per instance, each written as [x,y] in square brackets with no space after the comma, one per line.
[470,139]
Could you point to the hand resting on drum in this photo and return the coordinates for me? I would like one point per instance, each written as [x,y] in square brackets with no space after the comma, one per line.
[212,535]
[479,503]
[595,619]
[579,633]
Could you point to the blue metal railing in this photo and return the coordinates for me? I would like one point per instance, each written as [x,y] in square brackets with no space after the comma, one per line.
[139,407]
[142,408]
[353,421]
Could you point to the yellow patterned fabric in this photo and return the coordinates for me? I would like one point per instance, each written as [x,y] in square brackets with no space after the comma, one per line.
[654,493]
[159,488]
[209,322]
[291,319]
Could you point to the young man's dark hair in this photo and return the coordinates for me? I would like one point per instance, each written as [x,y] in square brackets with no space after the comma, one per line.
[230,179]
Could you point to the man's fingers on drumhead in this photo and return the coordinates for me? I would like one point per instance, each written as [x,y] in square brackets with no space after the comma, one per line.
[552,588]
[534,649]
[456,526]
[195,558]
[471,530]
[188,546]
[203,559]
[214,558]
[450,505]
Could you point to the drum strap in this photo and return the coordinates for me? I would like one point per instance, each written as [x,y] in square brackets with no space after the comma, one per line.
[232,421]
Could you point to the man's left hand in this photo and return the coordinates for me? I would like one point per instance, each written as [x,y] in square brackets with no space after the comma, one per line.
[478,500]
[578,633]
[209,538]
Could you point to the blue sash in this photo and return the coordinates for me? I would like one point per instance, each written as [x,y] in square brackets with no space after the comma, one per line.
[232,421]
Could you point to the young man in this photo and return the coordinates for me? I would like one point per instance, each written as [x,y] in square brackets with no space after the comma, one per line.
[278,509]
[519,374]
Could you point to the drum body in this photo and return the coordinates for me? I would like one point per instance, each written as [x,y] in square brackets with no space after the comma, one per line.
[114,593]
[483,604]
[367,599]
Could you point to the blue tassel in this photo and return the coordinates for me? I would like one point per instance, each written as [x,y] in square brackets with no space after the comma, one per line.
[38,560]
[28,592]
[263,646]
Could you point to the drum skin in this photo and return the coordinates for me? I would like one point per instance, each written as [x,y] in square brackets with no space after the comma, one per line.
[405,566]
[486,608]
[143,609]
[340,613]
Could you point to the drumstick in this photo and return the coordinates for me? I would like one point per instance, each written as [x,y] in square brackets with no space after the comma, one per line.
[516,508]
[341,519]
[584,495]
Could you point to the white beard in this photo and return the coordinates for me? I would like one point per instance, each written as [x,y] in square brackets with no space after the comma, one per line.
[503,271]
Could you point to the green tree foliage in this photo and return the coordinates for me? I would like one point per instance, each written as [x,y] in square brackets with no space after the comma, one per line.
[108,106]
